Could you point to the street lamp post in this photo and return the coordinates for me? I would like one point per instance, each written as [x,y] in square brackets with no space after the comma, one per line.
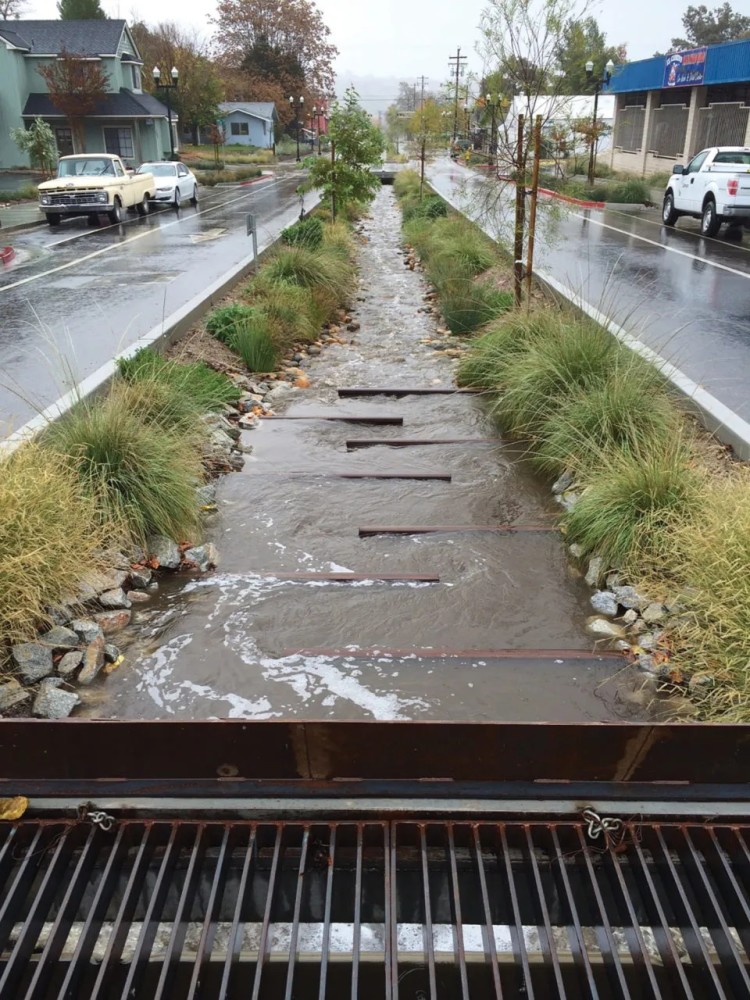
[598,84]
[316,124]
[297,104]
[167,87]
[466,121]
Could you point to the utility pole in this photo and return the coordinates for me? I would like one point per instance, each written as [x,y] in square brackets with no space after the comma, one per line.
[456,70]
[520,216]
[537,146]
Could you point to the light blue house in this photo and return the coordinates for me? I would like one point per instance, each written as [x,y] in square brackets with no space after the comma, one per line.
[250,123]
[128,121]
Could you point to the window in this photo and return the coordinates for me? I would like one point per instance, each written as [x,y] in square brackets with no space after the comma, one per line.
[697,162]
[119,141]
[64,140]
[240,128]
[118,170]
[136,71]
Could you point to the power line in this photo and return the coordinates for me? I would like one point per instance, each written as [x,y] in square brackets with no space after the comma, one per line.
[457,70]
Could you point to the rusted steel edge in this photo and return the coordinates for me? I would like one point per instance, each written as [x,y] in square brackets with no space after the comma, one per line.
[379,421]
[438,653]
[434,529]
[349,391]
[354,443]
[426,476]
[354,577]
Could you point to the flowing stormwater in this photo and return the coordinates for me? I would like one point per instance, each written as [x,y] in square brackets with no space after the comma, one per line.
[241,643]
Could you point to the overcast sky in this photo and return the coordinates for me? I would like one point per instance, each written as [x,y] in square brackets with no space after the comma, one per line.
[405,38]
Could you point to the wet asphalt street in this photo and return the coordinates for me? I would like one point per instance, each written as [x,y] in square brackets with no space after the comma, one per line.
[686,297]
[76,295]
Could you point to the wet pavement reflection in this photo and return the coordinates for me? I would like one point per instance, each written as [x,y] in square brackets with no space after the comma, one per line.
[244,643]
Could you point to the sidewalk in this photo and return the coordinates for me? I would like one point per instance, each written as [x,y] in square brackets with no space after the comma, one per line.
[21,216]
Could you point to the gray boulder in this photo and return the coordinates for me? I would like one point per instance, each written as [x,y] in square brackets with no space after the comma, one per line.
[111,621]
[595,570]
[629,598]
[114,599]
[165,551]
[205,556]
[111,653]
[12,693]
[52,702]
[654,613]
[604,602]
[86,629]
[206,494]
[604,629]
[141,578]
[59,637]
[33,661]
[68,665]
[563,483]
[93,661]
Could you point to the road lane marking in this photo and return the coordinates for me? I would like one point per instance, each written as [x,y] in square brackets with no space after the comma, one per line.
[693,233]
[131,239]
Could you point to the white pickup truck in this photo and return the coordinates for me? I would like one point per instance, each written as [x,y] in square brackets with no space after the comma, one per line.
[95,184]
[714,187]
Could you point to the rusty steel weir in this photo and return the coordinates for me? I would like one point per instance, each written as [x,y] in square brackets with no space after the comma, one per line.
[435,529]
[354,443]
[349,391]
[377,421]
[354,577]
[438,653]
[443,477]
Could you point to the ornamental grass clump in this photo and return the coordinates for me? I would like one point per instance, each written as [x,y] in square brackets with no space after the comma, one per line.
[290,310]
[222,322]
[49,530]
[256,343]
[506,339]
[205,388]
[311,269]
[469,305]
[140,476]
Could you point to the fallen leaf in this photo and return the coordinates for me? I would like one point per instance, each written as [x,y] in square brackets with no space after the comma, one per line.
[13,808]
[113,666]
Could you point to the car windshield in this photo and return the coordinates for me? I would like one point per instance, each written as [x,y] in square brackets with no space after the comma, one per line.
[158,169]
[90,167]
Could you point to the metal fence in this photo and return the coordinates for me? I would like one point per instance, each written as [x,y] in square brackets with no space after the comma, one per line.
[722,125]
[668,130]
[629,129]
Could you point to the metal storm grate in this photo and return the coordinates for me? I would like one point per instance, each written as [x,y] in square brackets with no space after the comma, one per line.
[373,909]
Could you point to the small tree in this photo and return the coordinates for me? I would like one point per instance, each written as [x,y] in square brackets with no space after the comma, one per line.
[80,10]
[11,8]
[356,145]
[38,141]
[76,86]
[217,137]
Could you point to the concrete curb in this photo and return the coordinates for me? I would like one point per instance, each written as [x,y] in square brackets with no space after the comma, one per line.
[20,227]
[714,415]
[158,337]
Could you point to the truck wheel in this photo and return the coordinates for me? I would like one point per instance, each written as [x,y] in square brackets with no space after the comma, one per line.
[115,216]
[668,214]
[145,206]
[194,199]
[710,221]
[53,218]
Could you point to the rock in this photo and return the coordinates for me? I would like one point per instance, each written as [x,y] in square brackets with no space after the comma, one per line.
[563,483]
[138,596]
[576,550]
[630,616]
[354,326]
[249,421]
[111,653]
[33,660]
[94,582]
[697,684]
[218,441]
[279,394]
[650,640]
[236,461]
[12,693]
[604,602]
[114,599]
[52,702]
[313,350]
[111,621]
[140,577]
[153,587]
[232,431]
[58,614]
[648,665]
[622,645]
[653,613]
[595,570]
[604,629]
[60,638]
[70,663]
[612,580]
[86,629]
[93,661]
[568,500]
[204,556]
[164,551]
[638,627]
[205,495]
[629,598]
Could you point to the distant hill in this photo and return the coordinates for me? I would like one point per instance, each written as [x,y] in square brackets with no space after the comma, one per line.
[375,92]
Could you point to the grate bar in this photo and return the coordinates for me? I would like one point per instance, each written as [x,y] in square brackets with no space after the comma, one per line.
[420,477]
[546,936]
[326,945]
[349,392]
[374,421]
[427,932]
[355,443]
[295,920]
[434,529]
[234,942]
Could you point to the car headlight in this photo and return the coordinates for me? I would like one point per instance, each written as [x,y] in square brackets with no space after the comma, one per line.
[45,199]
[164,188]
[103,197]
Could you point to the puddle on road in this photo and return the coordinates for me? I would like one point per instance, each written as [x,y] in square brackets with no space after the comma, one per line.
[227,645]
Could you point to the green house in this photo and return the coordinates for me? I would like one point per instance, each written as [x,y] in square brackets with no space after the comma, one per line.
[128,121]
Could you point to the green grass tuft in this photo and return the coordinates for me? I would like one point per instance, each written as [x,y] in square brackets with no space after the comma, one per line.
[471,305]
[205,388]
[222,322]
[256,344]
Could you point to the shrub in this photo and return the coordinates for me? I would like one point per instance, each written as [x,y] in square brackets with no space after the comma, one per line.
[205,388]
[632,192]
[213,177]
[432,207]
[311,269]
[307,233]
[418,234]
[290,310]
[484,366]
[254,342]
[629,500]
[48,532]
[140,476]
[206,165]
[337,240]
[222,322]
[406,181]
[457,243]
[470,305]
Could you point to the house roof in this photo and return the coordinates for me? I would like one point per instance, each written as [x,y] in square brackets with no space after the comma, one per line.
[124,104]
[255,109]
[727,62]
[84,38]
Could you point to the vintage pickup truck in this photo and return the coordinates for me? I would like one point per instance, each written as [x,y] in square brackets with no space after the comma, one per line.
[714,187]
[95,184]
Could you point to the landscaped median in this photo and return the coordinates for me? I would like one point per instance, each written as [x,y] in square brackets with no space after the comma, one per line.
[116,491]
[654,510]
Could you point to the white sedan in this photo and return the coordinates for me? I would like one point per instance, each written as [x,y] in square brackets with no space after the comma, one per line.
[174,182]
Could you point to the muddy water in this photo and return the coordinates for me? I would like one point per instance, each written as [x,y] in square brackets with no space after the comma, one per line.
[224,645]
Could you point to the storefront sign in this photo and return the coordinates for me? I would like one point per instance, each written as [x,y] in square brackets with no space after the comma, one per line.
[685,69]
